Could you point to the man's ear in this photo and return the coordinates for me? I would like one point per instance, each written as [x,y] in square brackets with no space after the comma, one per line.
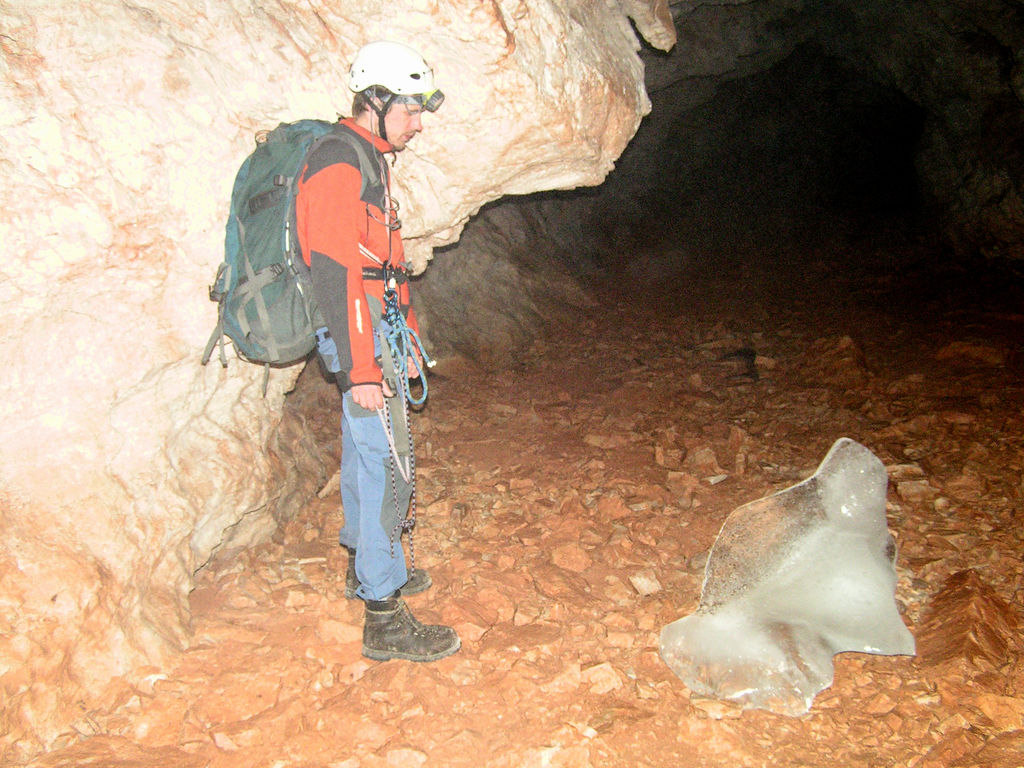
[374,99]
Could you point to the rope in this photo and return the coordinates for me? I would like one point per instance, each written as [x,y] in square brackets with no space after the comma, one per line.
[404,468]
[407,470]
[405,345]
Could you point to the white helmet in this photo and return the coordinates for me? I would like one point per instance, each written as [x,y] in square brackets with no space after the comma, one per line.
[398,68]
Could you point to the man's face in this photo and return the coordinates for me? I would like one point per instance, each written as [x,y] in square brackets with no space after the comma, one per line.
[402,122]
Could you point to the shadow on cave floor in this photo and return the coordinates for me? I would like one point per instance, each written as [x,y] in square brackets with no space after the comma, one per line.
[886,281]
[563,506]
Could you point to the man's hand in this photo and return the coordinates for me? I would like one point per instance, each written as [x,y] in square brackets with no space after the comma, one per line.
[369,396]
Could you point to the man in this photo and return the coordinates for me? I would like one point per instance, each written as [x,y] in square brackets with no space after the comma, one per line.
[348,228]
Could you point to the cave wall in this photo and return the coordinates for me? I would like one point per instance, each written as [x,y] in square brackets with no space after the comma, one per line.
[124,466]
[519,269]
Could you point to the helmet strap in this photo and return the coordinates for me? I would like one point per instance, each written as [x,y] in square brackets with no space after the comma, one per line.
[382,112]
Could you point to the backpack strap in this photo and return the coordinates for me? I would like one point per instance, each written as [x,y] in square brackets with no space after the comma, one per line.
[217,294]
[217,335]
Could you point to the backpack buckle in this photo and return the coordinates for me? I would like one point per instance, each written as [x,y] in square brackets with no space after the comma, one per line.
[218,289]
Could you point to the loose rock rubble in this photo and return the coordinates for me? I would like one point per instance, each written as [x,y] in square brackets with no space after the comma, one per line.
[565,506]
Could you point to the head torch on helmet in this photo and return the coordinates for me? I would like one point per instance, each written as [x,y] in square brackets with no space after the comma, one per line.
[431,101]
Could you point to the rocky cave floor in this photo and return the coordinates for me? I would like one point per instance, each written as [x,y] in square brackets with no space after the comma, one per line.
[565,503]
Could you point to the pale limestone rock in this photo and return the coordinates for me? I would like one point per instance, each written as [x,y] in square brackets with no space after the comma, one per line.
[645,582]
[602,678]
[124,466]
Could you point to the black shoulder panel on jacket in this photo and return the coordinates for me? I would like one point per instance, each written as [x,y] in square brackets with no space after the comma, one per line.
[333,152]
[330,153]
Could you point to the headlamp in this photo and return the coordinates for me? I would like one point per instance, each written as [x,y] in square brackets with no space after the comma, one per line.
[431,101]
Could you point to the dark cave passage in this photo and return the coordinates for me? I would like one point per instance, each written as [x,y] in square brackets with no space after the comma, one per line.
[773,164]
[794,192]
[808,133]
[797,185]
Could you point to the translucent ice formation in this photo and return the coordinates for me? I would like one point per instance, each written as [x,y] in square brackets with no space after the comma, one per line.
[793,579]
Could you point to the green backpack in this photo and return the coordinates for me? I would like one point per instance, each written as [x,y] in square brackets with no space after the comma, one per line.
[265,303]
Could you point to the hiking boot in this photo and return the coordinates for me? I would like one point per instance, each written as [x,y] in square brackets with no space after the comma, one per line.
[390,631]
[419,581]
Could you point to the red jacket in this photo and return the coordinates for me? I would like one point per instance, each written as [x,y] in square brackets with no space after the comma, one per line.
[332,221]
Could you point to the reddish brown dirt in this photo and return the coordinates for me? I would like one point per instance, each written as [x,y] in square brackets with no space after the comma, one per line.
[547,488]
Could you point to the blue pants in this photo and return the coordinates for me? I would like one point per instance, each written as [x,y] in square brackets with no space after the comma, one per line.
[375,498]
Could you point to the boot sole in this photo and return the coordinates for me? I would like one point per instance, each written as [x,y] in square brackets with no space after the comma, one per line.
[378,655]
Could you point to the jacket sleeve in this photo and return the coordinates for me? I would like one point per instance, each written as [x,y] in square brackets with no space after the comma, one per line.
[332,212]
